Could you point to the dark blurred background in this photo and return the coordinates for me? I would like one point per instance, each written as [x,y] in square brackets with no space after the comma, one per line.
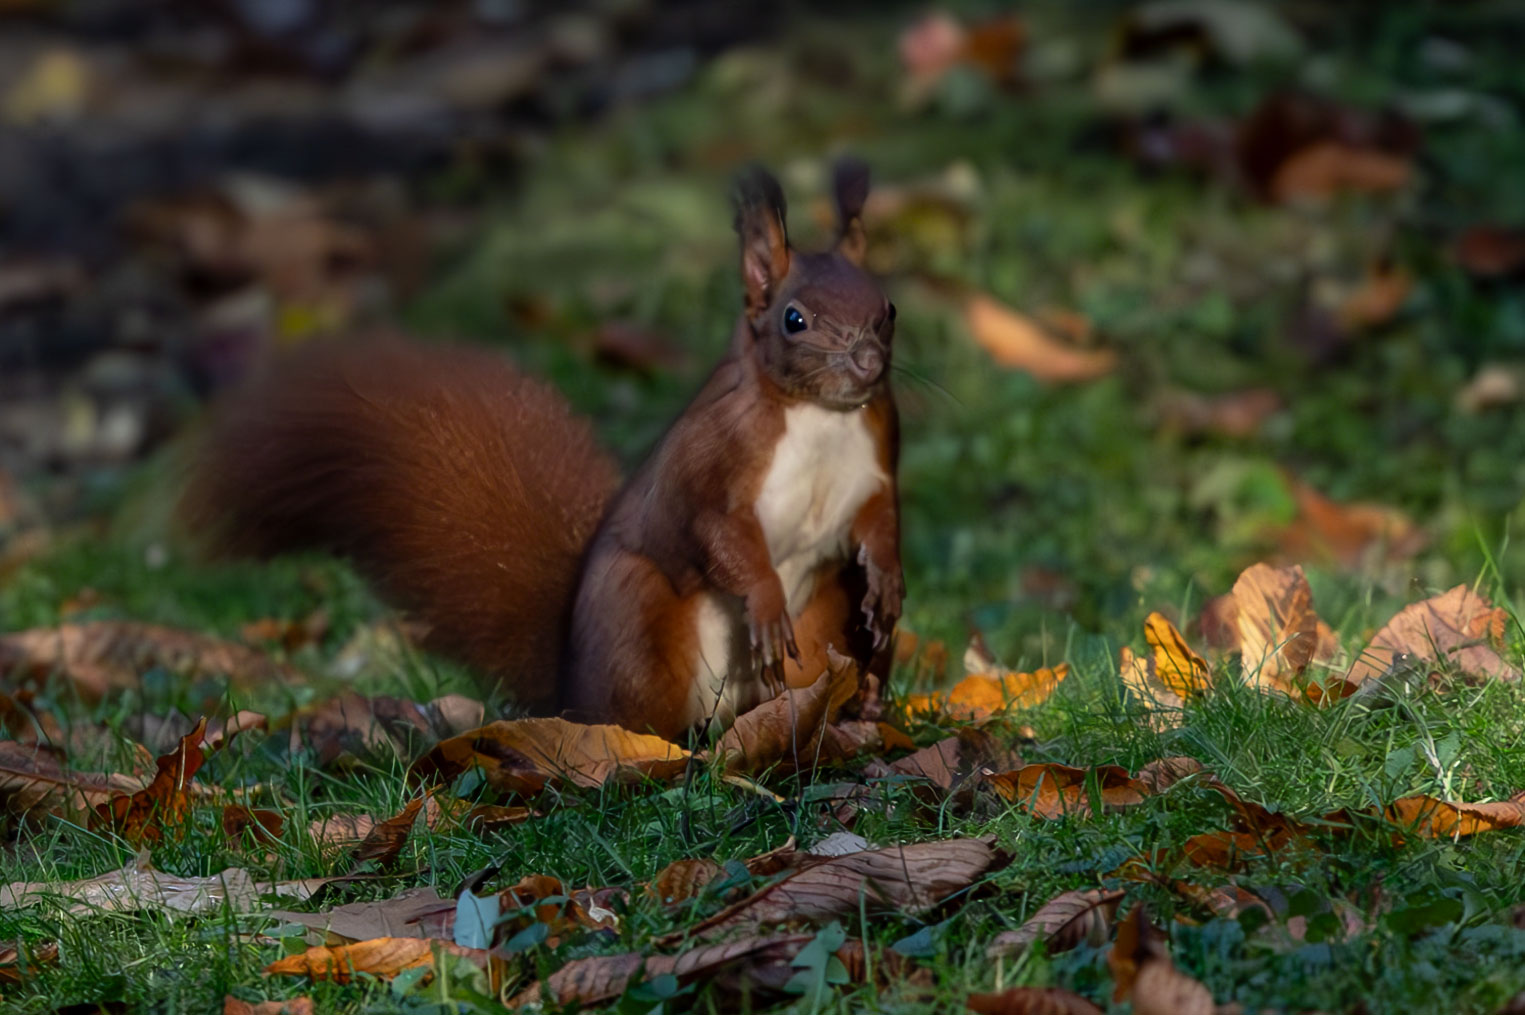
[1182,285]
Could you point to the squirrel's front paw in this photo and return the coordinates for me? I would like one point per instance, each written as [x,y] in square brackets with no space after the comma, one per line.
[882,601]
[772,636]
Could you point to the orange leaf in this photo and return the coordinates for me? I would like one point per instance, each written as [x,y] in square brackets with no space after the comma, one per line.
[1440,819]
[521,756]
[1014,340]
[264,825]
[1458,628]
[1347,533]
[1141,969]
[1326,168]
[293,1006]
[164,802]
[786,729]
[981,696]
[382,957]
[385,839]
[1376,300]
[1054,791]
[1169,674]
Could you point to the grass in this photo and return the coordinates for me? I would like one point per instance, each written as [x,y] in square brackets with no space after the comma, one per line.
[1004,479]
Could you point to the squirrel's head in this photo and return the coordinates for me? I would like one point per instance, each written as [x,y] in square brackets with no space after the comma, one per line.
[821,327]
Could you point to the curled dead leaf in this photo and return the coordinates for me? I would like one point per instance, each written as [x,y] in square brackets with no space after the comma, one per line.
[683,879]
[1061,923]
[522,756]
[1449,819]
[165,802]
[20,962]
[788,729]
[1458,628]
[384,840]
[982,696]
[1142,970]
[1014,340]
[383,958]
[906,879]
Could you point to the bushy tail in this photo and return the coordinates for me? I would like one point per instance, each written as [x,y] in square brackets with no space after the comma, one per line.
[464,490]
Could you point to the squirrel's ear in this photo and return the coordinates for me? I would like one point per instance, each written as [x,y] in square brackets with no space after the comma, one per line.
[760,213]
[850,183]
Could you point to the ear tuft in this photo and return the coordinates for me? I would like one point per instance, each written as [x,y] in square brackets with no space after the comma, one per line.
[850,184]
[760,211]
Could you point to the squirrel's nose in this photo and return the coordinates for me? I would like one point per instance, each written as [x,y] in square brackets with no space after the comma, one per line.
[866,361]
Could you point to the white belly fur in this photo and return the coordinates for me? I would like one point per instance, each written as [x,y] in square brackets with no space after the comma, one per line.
[824,468]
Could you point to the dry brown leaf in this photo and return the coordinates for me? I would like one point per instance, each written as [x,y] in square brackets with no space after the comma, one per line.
[683,879]
[905,879]
[16,967]
[1141,969]
[1489,251]
[1162,773]
[380,957]
[415,912]
[292,1006]
[787,730]
[955,764]
[1493,386]
[1061,923]
[1458,628]
[291,635]
[1350,534]
[263,825]
[1326,168]
[1166,677]
[1377,300]
[981,696]
[590,981]
[1014,340]
[1234,414]
[1269,620]
[351,725]
[520,756]
[1449,819]
[139,886]
[1054,791]
[385,839]
[1032,1001]
[165,802]
[103,656]
[33,782]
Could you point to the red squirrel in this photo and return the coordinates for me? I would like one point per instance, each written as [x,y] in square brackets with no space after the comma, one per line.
[762,530]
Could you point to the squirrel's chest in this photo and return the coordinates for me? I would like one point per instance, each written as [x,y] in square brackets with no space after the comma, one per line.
[824,467]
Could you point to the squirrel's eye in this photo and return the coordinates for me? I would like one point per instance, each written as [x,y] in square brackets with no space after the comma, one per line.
[794,321]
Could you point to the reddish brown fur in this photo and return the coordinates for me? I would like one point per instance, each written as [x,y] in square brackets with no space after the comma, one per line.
[465,490]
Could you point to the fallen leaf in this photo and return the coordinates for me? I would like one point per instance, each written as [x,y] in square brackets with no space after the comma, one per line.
[291,635]
[385,839]
[292,1006]
[351,725]
[1054,791]
[591,981]
[1449,819]
[1234,414]
[416,912]
[33,782]
[1458,628]
[1491,251]
[955,765]
[900,879]
[103,656]
[1061,923]
[982,696]
[1298,147]
[1169,675]
[17,965]
[1493,386]
[521,756]
[263,825]
[1350,534]
[383,958]
[1162,773]
[1142,970]
[787,729]
[164,803]
[1377,300]
[1014,340]
[1032,1001]
[1268,619]
[683,879]
[138,886]
[1327,168]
